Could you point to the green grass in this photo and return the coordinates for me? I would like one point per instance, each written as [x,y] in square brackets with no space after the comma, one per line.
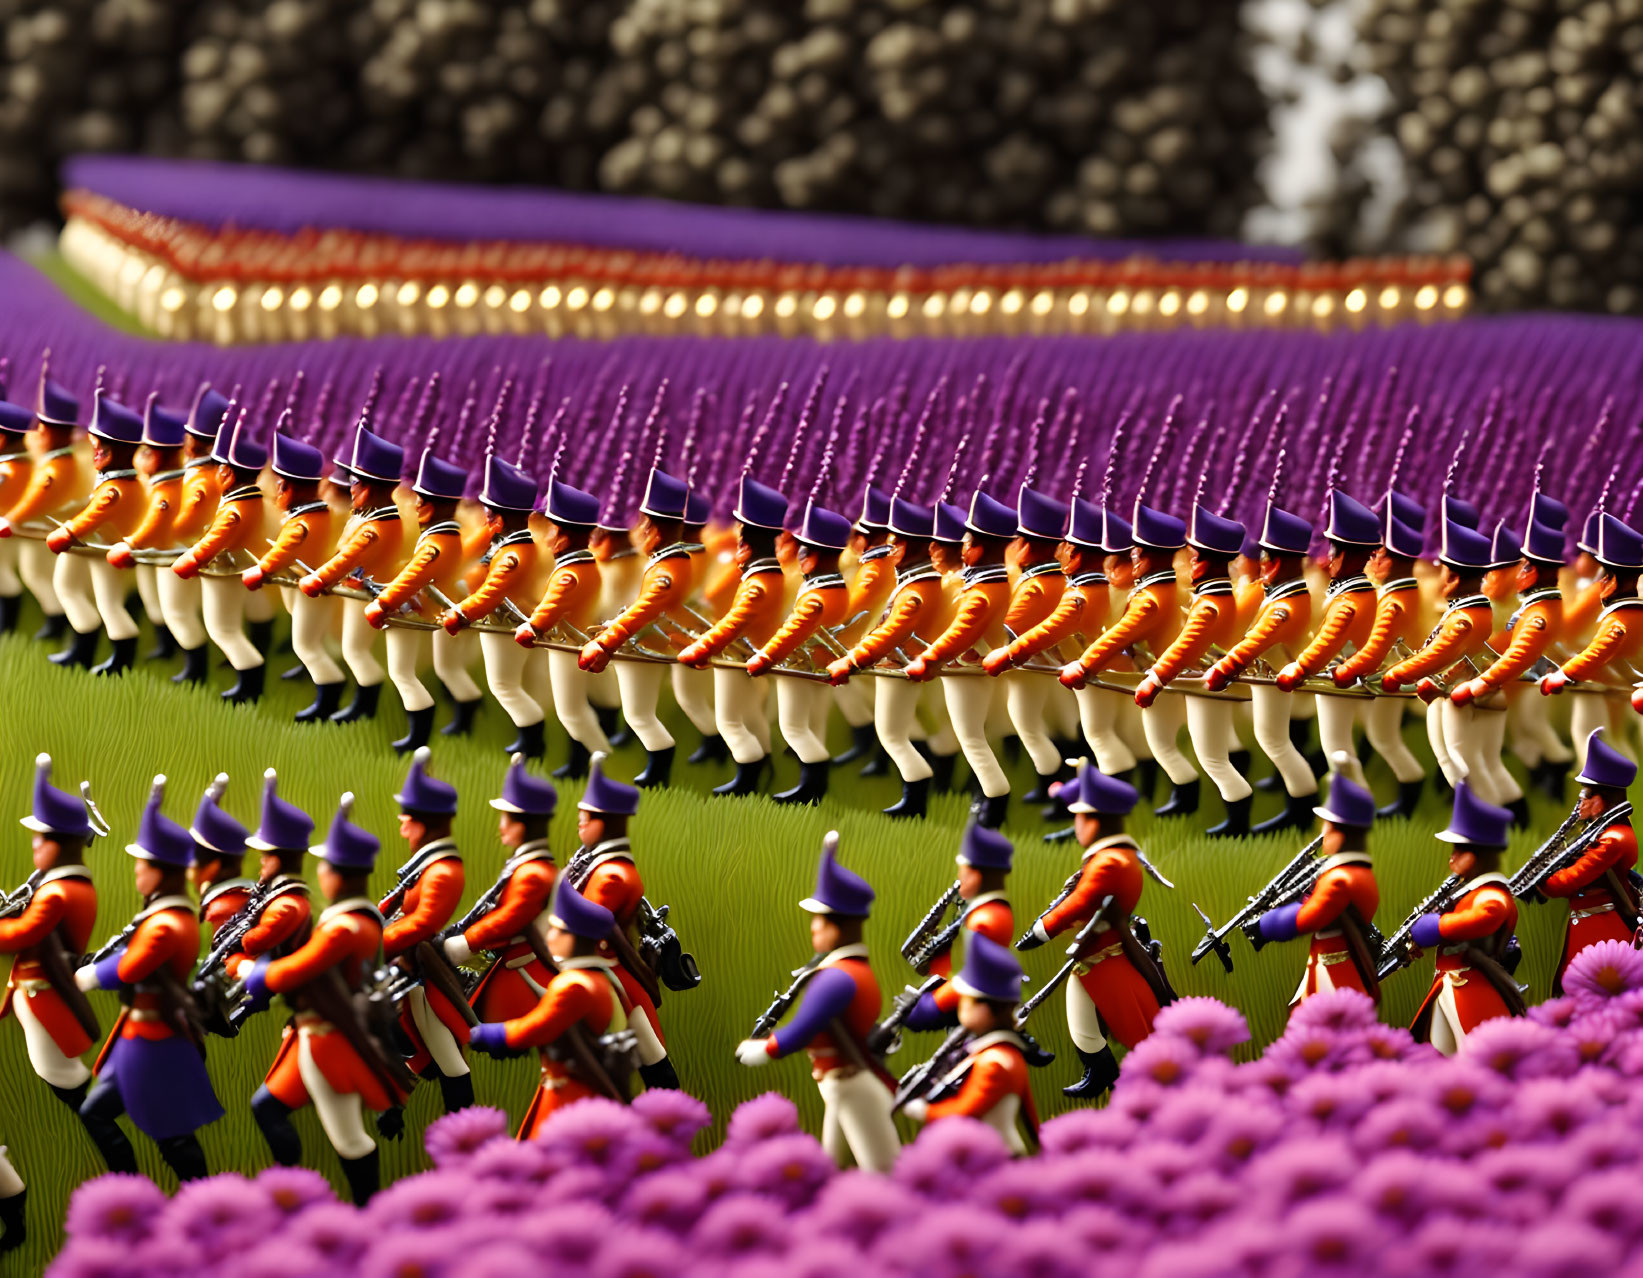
[733,870]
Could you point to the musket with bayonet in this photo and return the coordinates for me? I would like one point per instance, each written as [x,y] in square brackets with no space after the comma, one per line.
[916,943]
[1560,851]
[784,1000]
[1398,951]
[1075,955]
[1299,873]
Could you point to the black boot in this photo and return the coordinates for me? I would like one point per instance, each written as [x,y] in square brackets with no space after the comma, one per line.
[621,735]
[914,801]
[1062,835]
[1100,1073]
[184,1156]
[363,706]
[362,1176]
[248,687]
[1409,796]
[457,1092]
[660,1075]
[1236,825]
[1146,778]
[98,1114]
[607,716]
[1300,734]
[273,1119]
[462,718]
[942,767]
[1239,759]
[1553,778]
[327,697]
[658,768]
[52,627]
[990,809]
[165,647]
[1297,815]
[419,726]
[1040,793]
[812,786]
[1182,801]
[124,652]
[11,1216]
[79,652]
[576,766]
[1269,783]
[196,665]
[746,780]
[862,739]
[261,634]
[531,741]
[10,607]
[877,765]
[1519,808]
[712,750]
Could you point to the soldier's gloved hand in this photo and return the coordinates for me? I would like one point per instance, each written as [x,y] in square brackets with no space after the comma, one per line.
[1290,677]
[1073,675]
[918,1109]
[1280,924]
[58,540]
[391,1123]
[1390,684]
[1428,691]
[1463,694]
[919,670]
[1146,692]
[997,661]
[457,949]
[754,1051]
[927,1014]
[375,614]
[1428,931]
[120,556]
[593,657]
[1343,678]
[453,621]
[1554,683]
[491,1037]
[759,664]
[1034,937]
[839,672]
[695,654]
[253,577]
[86,978]
[1219,675]
[186,567]
[257,994]
[1637,699]
[525,636]
[5,527]
[311,586]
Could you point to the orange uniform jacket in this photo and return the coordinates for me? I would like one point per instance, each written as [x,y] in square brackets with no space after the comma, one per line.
[1344,880]
[875,577]
[989,914]
[1582,611]
[157,528]
[572,594]
[65,902]
[978,617]
[513,573]
[909,614]
[1463,632]
[201,492]
[1618,638]
[436,560]
[663,589]
[1151,616]
[506,991]
[612,880]
[15,470]
[1350,612]
[1537,625]
[823,601]
[371,546]
[1037,592]
[167,936]
[995,1071]
[1592,913]
[584,993]
[1212,621]
[756,611]
[237,526]
[1082,608]
[428,905]
[116,501]
[1281,624]
[53,485]
[305,533]
[1485,916]
[1397,616]
[222,901]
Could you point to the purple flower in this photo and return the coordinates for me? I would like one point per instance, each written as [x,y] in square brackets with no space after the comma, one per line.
[1411,1123]
[640,1253]
[942,1242]
[1604,1145]
[581,1183]
[336,1232]
[717,1172]
[1198,1198]
[1382,1081]
[811,1256]
[1449,1247]
[1470,1136]
[1097,1178]
[1567,1248]
[595,1132]
[1038,1248]
[1162,1061]
[650,1153]
[859,1207]
[1603,971]
[669,1112]
[1097,1230]
[740,1225]
[1083,1129]
[99,1258]
[1333,1236]
[1393,1043]
[117,1208]
[1136,1099]
[1016,1191]
[1336,1012]
[1549,1109]
[1301,1169]
[1520,1182]
[571,1233]
[511,1162]
[411,1254]
[1556,1012]
[1593,1038]
[791,1169]
[294,1190]
[452,1138]
[1516,1048]
[672,1200]
[1314,1048]
[1400,1185]
[1264,1076]
[1164,1163]
[505,1258]
[1461,1088]
[1605,1200]
[765,1116]
[278,1258]
[420,1202]
[955,1148]
[218,1215]
[503,1201]
[1240,1131]
[1185,1116]
[1209,1025]
[1331,1101]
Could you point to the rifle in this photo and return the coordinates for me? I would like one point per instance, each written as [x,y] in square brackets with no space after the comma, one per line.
[230,934]
[1554,854]
[589,1057]
[915,944]
[1075,955]
[110,946]
[19,898]
[1398,951]
[772,1015]
[483,906]
[885,1037]
[919,1080]
[1066,891]
[1278,889]
[662,951]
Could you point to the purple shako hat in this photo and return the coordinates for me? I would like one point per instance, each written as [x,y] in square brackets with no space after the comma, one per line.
[346,846]
[949,523]
[294,459]
[525,795]
[1117,537]
[375,458]
[666,497]
[1403,507]
[1618,545]
[212,828]
[439,479]
[113,421]
[1085,527]
[1606,766]
[571,507]
[1283,533]
[1212,532]
[423,793]
[823,529]
[1403,540]
[698,509]
[1476,822]
[507,487]
[1349,804]
[605,794]
[875,509]
[1156,530]
[990,517]
[1040,515]
[54,405]
[1503,546]
[1587,540]
[236,448]
[990,971]
[162,428]
[572,912]
[15,419]
[1351,522]
[1465,549]
[1548,510]
[1543,543]
[159,838]
[205,417]
[1459,510]
[760,506]
[910,520]
[838,890]
[56,811]
[285,827]
[985,849]
[1093,791]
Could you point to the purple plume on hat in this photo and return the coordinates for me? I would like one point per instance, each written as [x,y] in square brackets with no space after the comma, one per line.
[698,509]
[838,890]
[507,487]
[990,971]
[910,520]
[1458,510]
[1349,804]
[15,419]
[1475,822]
[572,912]
[294,459]
[54,405]
[1093,791]
[1351,522]
[375,458]
[236,448]
[525,795]
[56,811]
[439,479]
[760,506]
[1040,515]
[113,421]
[949,523]
[159,838]
[666,497]
[285,827]
[990,517]
[1618,545]
[571,506]
[1401,539]
[985,849]
[1606,766]
[1465,549]
[1543,543]
[823,528]
[1503,546]
[1116,535]
[206,415]
[1156,530]
[422,792]
[1215,533]
[162,428]
[606,794]
[212,828]
[346,846]
[875,509]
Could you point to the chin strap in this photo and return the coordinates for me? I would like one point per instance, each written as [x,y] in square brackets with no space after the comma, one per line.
[99,826]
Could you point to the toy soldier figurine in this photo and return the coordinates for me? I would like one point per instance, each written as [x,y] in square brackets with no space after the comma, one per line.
[1472,937]
[153,1065]
[603,870]
[328,1058]
[1397,624]
[281,841]
[570,602]
[516,979]
[16,466]
[992,1080]
[57,922]
[802,704]
[693,689]
[236,528]
[1118,987]
[435,565]
[512,583]
[1212,623]
[874,542]
[219,854]
[976,627]
[370,547]
[839,1003]
[583,996]
[983,866]
[1461,634]
[755,614]
[1545,754]
[198,495]
[1342,900]
[1040,525]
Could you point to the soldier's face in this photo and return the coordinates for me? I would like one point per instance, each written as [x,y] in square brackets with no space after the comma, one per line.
[1070,557]
[978,1015]
[410,829]
[45,851]
[969,882]
[330,882]
[1528,576]
[225,475]
[561,944]
[100,454]
[1333,838]
[1591,805]
[147,876]
[970,554]
[1086,828]
[268,866]
[824,934]
[511,832]
[1380,565]
[589,827]
[1462,861]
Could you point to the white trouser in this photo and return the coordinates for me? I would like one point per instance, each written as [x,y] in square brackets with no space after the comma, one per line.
[109,586]
[505,669]
[405,651]
[71,578]
[801,710]
[640,686]
[693,690]
[942,739]
[738,709]
[341,1114]
[436,1037]
[1337,716]
[1489,725]
[856,703]
[1437,736]
[1083,1021]
[856,1118]
[45,1057]
[1534,739]
[11,1184]
[37,566]
[1162,721]
[1383,725]
[969,698]
[148,590]
[359,643]
[1270,707]
[1589,711]
[310,627]
[570,699]
[223,600]
[1209,724]
[1465,745]
[180,603]
[1100,711]
[1027,696]
[11,585]
[1447,1034]
[895,714]
[606,693]
[259,605]
[453,654]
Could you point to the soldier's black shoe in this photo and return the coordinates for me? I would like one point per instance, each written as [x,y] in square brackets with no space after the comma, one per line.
[861,741]
[1519,808]
[1236,824]
[298,671]
[1552,778]
[812,786]
[1100,1073]
[124,652]
[362,1176]
[877,765]
[1297,815]
[261,634]
[1146,777]
[79,652]
[1239,759]
[658,768]
[52,627]
[607,716]
[457,1091]
[11,1216]
[621,736]
[576,766]
[363,706]
[1182,801]
[1040,793]
[1060,836]
[462,718]
[248,687]
[989,810]
[10,608]
[327,697]
[659,1075]
[196,665]
[531,741]
[746,780]
[419,726]
[1409,796]
[914,801]
[165,647]
[942,767]
[712,750]
[1300,734]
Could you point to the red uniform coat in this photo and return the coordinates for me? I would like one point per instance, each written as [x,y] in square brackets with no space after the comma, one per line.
[842,991]
[613,881]
[1347,879]
[428,905]
[515,982]
[989,914]
[222,901]
[585,992]
[993,1074]
[1592,913]
[1485,916]
[64,902]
